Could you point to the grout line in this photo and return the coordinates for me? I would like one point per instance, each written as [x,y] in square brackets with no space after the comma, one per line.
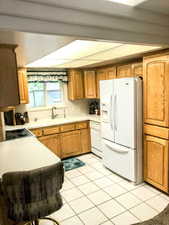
[102,188]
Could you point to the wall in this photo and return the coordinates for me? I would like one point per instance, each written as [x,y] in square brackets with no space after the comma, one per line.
[2,134]
[72,108]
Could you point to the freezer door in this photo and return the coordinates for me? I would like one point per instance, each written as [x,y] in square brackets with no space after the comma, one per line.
[125,112]
[119,159]
[107,111]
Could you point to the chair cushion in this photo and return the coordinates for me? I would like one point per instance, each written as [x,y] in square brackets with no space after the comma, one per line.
[33,194]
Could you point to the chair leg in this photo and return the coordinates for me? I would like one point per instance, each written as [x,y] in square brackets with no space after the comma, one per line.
[51,219]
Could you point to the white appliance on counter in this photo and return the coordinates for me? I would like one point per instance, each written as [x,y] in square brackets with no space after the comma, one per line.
[121,126]
[95,131]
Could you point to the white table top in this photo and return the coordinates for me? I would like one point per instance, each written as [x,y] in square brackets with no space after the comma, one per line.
[24,154]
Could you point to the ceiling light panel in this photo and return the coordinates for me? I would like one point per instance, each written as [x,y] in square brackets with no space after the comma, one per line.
[73,51]
[128,2]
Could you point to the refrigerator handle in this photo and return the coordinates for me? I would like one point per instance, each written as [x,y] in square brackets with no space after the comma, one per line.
[111,107]
[115,112]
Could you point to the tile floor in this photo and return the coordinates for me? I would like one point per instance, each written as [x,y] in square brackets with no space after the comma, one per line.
[93,195]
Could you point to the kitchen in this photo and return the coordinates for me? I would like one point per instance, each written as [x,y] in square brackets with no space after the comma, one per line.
[55,93]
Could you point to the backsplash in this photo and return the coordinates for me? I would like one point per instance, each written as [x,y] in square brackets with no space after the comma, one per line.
[71,109]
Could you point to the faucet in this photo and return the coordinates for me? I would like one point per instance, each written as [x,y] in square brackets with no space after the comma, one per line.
[54,115]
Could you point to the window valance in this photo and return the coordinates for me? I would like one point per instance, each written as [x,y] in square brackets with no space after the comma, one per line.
[47,76]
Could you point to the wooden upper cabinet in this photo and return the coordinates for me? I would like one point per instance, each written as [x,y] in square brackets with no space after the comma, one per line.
[8,76]
[111,73]
[90,84]
[23,86]
[124,71]
[101,74]
[70,143]
[52,142]
[156,162]
[138,69]
[75,84]
[156,88]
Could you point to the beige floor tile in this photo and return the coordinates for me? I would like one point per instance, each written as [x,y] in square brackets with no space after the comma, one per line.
[128,200]
[92,217]
[115,178]
[80,180]
[94,175]
[152,189]
[86,169]
[72,221]
[111,208]
[143,193]
[88,188]
[125,219]
[99,197]
[103,182]
[108,223]
[67,185]
[72,194]
[143,212]
[72,173]
[158,202]
[92,161]
[115,190]
[64,213]
[129,185]
[81,204]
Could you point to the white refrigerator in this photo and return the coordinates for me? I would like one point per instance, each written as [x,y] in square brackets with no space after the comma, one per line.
[121,126]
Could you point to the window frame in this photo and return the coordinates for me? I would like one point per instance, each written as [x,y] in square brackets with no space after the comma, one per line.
[46,106]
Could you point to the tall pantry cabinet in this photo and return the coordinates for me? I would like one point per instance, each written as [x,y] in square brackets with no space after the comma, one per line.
[156,120]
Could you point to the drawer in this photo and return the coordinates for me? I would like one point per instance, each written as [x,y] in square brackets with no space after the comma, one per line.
[51,130]
[67,127]
[82,125]
[37,132]
[95,125]
[156,131]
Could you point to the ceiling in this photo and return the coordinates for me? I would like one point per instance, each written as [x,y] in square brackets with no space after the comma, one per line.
[159,6]
[37,50]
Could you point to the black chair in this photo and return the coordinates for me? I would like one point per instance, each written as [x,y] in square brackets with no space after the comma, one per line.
[33,195]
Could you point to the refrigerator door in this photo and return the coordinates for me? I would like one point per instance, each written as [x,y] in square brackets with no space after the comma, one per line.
[106,106]
[119,159]
[125,112]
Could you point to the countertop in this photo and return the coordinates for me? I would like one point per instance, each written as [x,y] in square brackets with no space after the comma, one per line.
[57,121]
[24,154]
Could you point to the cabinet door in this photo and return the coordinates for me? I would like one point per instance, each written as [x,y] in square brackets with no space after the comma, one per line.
[70,144]
[156,88]
[124,71]
[90,84]
[23,86]
[9,91]
[138,69]
[85,140]
[111,73]
[156,162]
[100,75]
[52,142]
[75,85]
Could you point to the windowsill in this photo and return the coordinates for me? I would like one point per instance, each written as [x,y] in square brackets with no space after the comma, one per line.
[59,106]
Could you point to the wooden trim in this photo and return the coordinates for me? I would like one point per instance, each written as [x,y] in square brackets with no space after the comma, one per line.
[156,131]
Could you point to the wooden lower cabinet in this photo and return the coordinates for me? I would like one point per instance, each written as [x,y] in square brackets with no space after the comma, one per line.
[70,143]
[65,140]
[52,142]
[156,162]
